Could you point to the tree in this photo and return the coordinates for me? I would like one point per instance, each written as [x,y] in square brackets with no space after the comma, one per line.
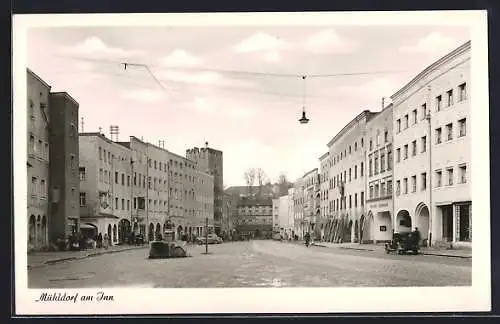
[249,176]
[283,184]
[261,178]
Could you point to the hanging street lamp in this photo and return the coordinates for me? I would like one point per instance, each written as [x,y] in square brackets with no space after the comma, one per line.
[304,119]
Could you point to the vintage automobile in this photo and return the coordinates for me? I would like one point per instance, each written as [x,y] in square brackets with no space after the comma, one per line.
[403,243]
[166,247]
[212,239]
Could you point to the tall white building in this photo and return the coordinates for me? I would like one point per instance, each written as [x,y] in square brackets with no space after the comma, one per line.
[433,151]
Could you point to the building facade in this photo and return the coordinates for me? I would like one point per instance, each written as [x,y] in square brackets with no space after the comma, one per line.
[276,215]
[38,135]
[298,208]
[210,161]
[433,151]
[255,218]
[291,213]
[105,186]
[377,225]
[347,180]
[204,209]
[283,218]
[311,213]
[64,194]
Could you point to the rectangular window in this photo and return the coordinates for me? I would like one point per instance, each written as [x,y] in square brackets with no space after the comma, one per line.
[462,124]
[389,188]
[123,179]
[405,185]
[376,165]
[370,167]
[382,163]
[405,151]
[116,203]
[439,100]
[450,176]
[398,155]
[386,136]
[100,153]
[414,148]
[406,122]
[382,189]
[398,126]
[83,199]
[423,179]
[355,200]
[116,177]
[81,170]
[128,181]
[398,187]
[463,173]
[123,204]
[135,202]
[362,169]
[371,192]
[413,183]
[362,198]
[376,191]
[439,178]
[149,182]
[423,145]
[449,129]
[350,175]
[462,89]
[438,135]
[355,172]
[389,160]
[449,95]
[43,189]
[100,175]
[128,204]
[414,116]
[424,111]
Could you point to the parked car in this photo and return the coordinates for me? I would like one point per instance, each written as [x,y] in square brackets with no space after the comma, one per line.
[212,239]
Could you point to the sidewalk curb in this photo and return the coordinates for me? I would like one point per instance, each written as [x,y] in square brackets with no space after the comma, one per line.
[423,253]
[91,254]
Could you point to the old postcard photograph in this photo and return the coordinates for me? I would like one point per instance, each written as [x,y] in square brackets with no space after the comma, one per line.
[251,163]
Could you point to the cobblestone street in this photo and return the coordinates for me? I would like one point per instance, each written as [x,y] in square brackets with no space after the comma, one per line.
[255,264]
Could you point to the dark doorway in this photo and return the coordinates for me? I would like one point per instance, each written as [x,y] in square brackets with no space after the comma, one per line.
[447,212]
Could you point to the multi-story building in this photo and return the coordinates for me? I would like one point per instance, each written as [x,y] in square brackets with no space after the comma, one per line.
[433,152]
[38,130]
[255,218]
[204,208]
[283,217]
[210,161]
[291,213]
[325,165]
[312,204]
[377,225]
[105,187]
[347,185]
[298,208]
[64,170]
[276,215]
[227,217]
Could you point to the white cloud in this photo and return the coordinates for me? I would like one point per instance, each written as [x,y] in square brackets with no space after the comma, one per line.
[203,78]
[432,43]
[328,41]
[94,46]
[145,95]
[180,58]
[266,46]
[373,89]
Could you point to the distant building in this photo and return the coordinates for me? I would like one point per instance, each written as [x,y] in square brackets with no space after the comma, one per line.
[276,214]
[38,135]
[284,225]
[255,218]
[298,208]
[325,212]
[210,161]
[65,174]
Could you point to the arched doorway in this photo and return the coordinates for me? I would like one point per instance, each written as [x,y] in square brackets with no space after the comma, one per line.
[114,233]
[356,231]
[151,232]
[38,231]
[109,232]
[348,231]
[179,232]
[403,221]
[158,230]
[124,230]
[44,230]
[422,213]
[32,231]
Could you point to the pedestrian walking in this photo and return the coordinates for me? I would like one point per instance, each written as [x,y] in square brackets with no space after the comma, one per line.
[99,240]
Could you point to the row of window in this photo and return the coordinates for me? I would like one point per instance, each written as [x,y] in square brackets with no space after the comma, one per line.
[38,148]
[377,162]
[380,190]
[402,186]
[341,203]
[346,177]
[403,124]
[38,187]
[462,131]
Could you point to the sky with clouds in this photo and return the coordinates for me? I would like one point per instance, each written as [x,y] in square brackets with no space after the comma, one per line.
[204,96]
